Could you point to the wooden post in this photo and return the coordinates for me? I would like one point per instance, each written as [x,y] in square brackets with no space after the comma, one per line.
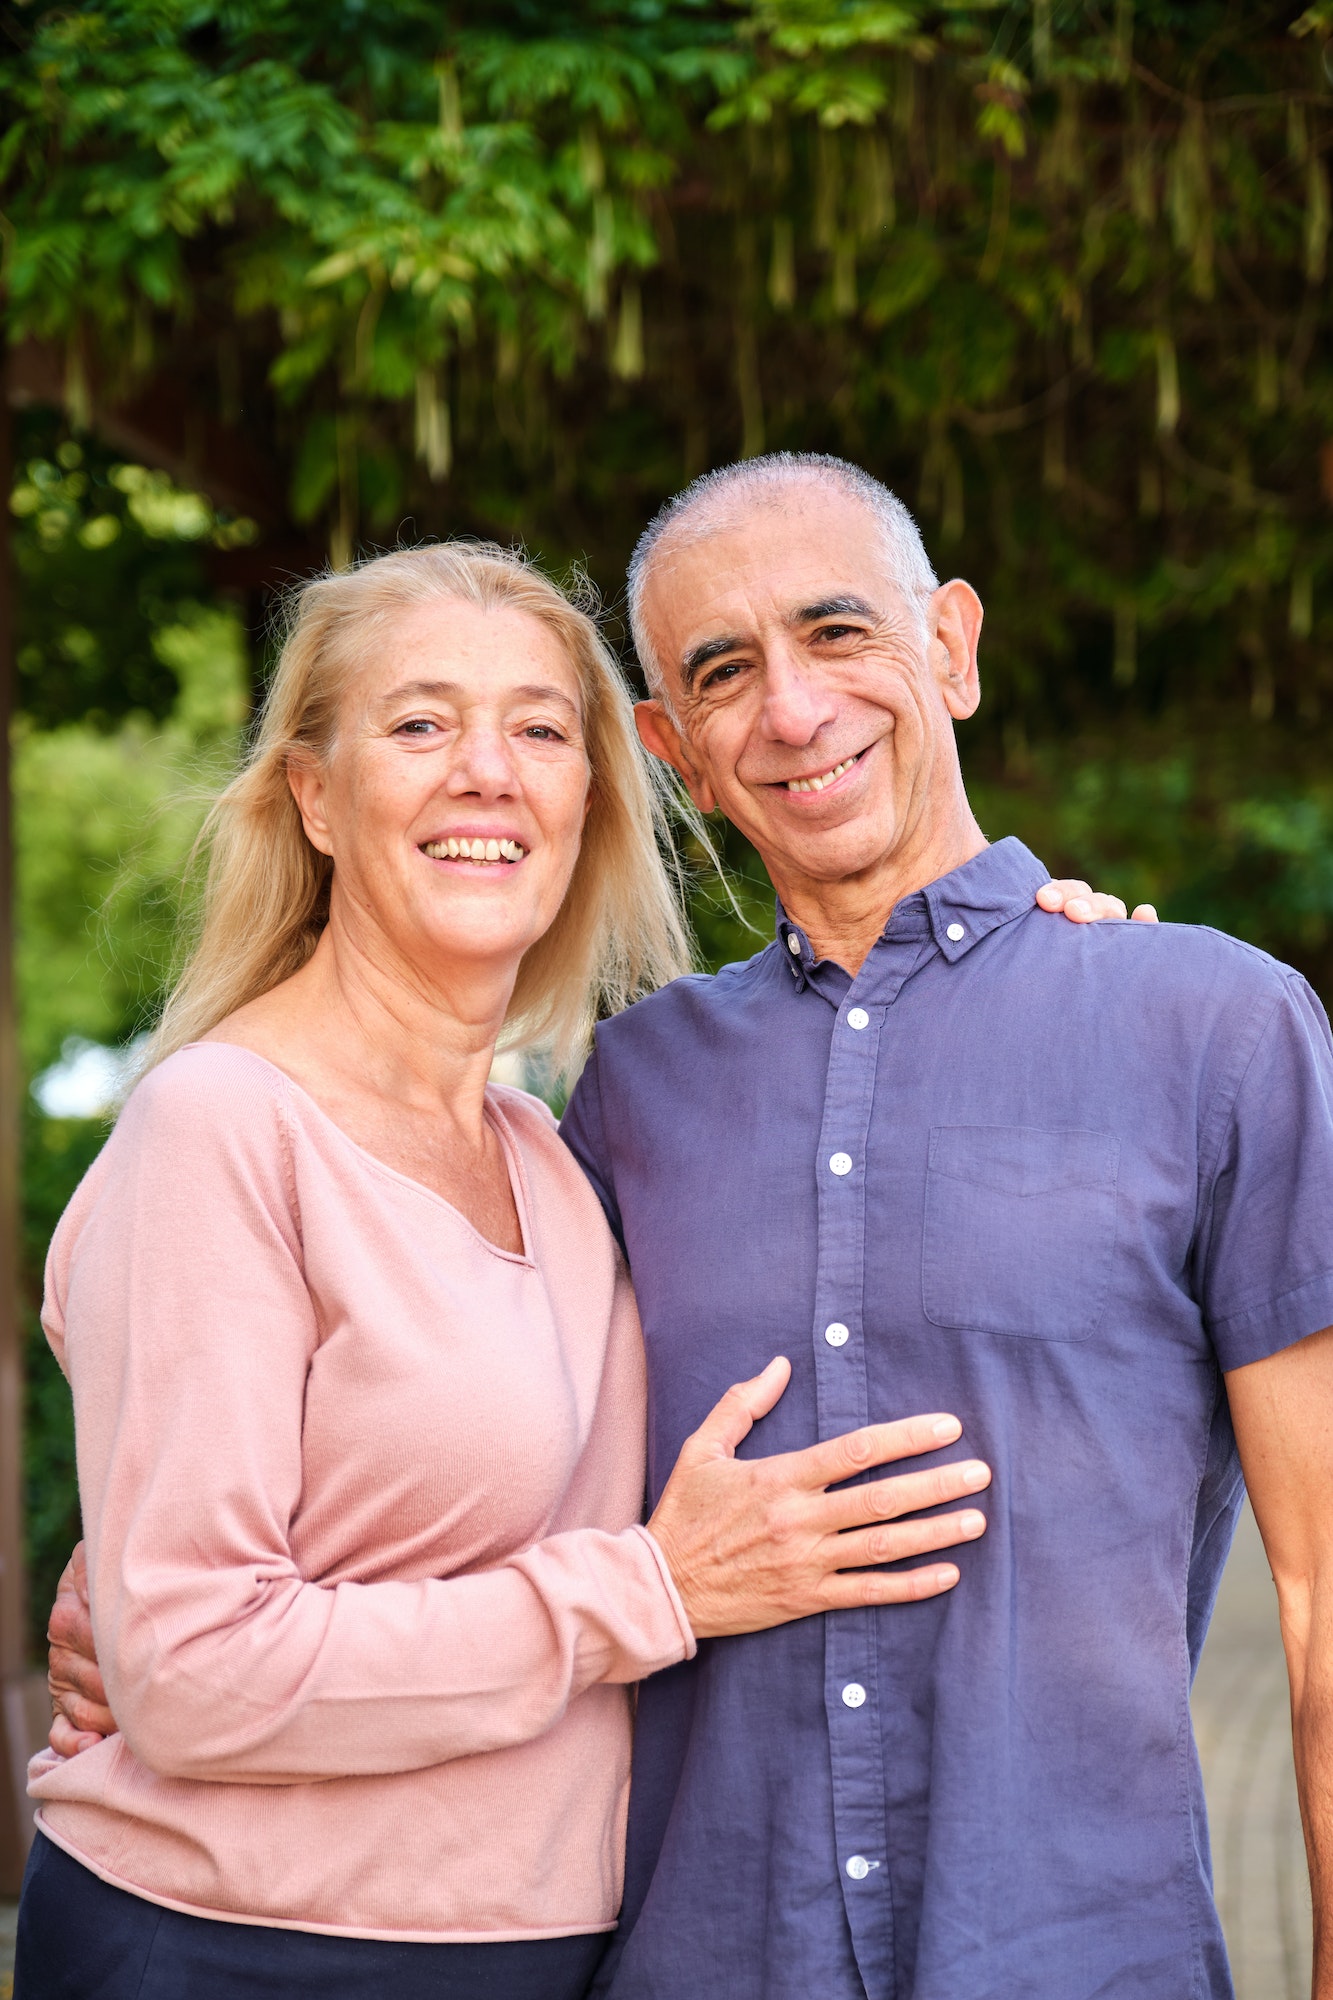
[15,1820]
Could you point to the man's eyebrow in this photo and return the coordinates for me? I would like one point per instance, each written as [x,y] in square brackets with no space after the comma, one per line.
[831,607]
[698,656]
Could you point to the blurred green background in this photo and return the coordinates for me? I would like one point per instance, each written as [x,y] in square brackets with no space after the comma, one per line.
[282,284]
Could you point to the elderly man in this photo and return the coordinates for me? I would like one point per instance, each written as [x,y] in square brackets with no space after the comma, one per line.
[1073,1183]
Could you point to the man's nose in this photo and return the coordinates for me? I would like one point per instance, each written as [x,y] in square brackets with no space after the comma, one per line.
[797,699]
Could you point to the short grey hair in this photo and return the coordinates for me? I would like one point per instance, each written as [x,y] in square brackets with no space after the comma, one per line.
[706,497]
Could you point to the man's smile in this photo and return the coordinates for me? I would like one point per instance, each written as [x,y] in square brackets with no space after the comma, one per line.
[820,780]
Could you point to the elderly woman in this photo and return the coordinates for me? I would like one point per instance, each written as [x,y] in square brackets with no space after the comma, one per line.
[358,1387]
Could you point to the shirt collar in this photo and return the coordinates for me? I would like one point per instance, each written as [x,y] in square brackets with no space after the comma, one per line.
[960,909]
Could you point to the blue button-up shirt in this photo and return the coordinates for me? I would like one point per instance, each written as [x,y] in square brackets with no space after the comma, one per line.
[1054,1179]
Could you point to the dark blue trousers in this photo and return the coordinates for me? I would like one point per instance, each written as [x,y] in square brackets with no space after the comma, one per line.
[80,1939]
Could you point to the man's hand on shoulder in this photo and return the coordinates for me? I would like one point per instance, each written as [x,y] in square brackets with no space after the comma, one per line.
[1083,905]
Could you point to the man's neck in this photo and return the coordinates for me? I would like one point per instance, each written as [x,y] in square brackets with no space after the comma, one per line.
[844,919]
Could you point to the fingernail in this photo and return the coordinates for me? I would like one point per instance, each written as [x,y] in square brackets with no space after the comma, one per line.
[972,1523]
[946,1429]
[975,1474]
[1078,906]
[947,1577]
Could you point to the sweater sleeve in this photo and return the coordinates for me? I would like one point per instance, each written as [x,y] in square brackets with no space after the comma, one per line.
[177,1304]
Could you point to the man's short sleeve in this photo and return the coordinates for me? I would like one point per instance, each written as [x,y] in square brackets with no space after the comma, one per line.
[1265,1244]
[583,1132]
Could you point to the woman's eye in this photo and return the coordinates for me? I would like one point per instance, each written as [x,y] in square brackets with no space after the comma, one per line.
[420,725]
[543,732]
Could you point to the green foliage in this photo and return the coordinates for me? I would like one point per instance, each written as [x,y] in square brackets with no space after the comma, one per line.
[104,824]
[105,819]
[1057,271]
[108,556]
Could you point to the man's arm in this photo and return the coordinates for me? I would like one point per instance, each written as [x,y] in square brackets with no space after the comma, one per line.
[1282,1409]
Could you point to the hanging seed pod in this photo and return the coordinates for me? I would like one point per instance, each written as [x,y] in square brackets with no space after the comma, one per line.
[748,387]
[782,267]
[875,207]
[1316,219]
[781,154]
[1298,135]
[1125,666]
[507,354]
[1267,382]
[952,520]
[998,232]
[844,276]
[592,167]
[1150,489]
[828,187]
[904,94]
[601,250]
[1189,200]
[451,103]
[434,433]
[1168,383]
[627,350]
[1062,160]
[1122,45]
[1054,450]
[77,394]
[1140,171]
[342,537]
[1041,39]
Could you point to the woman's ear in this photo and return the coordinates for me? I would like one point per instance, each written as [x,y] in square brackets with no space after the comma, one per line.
[306,778]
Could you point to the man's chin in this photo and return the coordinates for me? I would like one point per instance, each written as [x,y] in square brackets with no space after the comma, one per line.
[829,854]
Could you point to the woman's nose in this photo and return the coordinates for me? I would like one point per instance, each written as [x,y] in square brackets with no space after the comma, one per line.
[483,763]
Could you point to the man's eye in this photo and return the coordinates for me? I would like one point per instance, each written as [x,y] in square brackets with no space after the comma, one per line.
[838,632]
[720,675]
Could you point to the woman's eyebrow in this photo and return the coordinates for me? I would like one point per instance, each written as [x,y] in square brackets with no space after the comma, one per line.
[453,690]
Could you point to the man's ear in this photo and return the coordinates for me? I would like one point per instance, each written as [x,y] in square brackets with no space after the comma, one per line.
[660,736]
[306,780]
[955,623]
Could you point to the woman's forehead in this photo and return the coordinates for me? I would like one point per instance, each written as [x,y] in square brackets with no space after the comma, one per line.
[478,650]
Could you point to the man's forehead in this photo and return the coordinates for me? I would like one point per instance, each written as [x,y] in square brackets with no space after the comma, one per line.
[773,562]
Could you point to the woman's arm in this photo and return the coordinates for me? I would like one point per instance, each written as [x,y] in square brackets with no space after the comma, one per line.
[179,1305]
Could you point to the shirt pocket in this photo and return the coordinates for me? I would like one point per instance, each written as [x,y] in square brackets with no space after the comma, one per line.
[1020,1229]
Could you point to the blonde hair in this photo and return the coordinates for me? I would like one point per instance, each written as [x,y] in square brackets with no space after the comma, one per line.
[619,931]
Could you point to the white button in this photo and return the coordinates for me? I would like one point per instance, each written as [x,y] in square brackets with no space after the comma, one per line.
[858,1018]
[858,1867]
[956,932]
[854,1694]
[841,1163]
[793,944]
[837,1335]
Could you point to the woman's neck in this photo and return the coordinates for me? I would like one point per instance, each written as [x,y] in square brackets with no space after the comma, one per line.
[355,1019]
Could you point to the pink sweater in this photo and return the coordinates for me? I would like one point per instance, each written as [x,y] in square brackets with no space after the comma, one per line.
[360,1494]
